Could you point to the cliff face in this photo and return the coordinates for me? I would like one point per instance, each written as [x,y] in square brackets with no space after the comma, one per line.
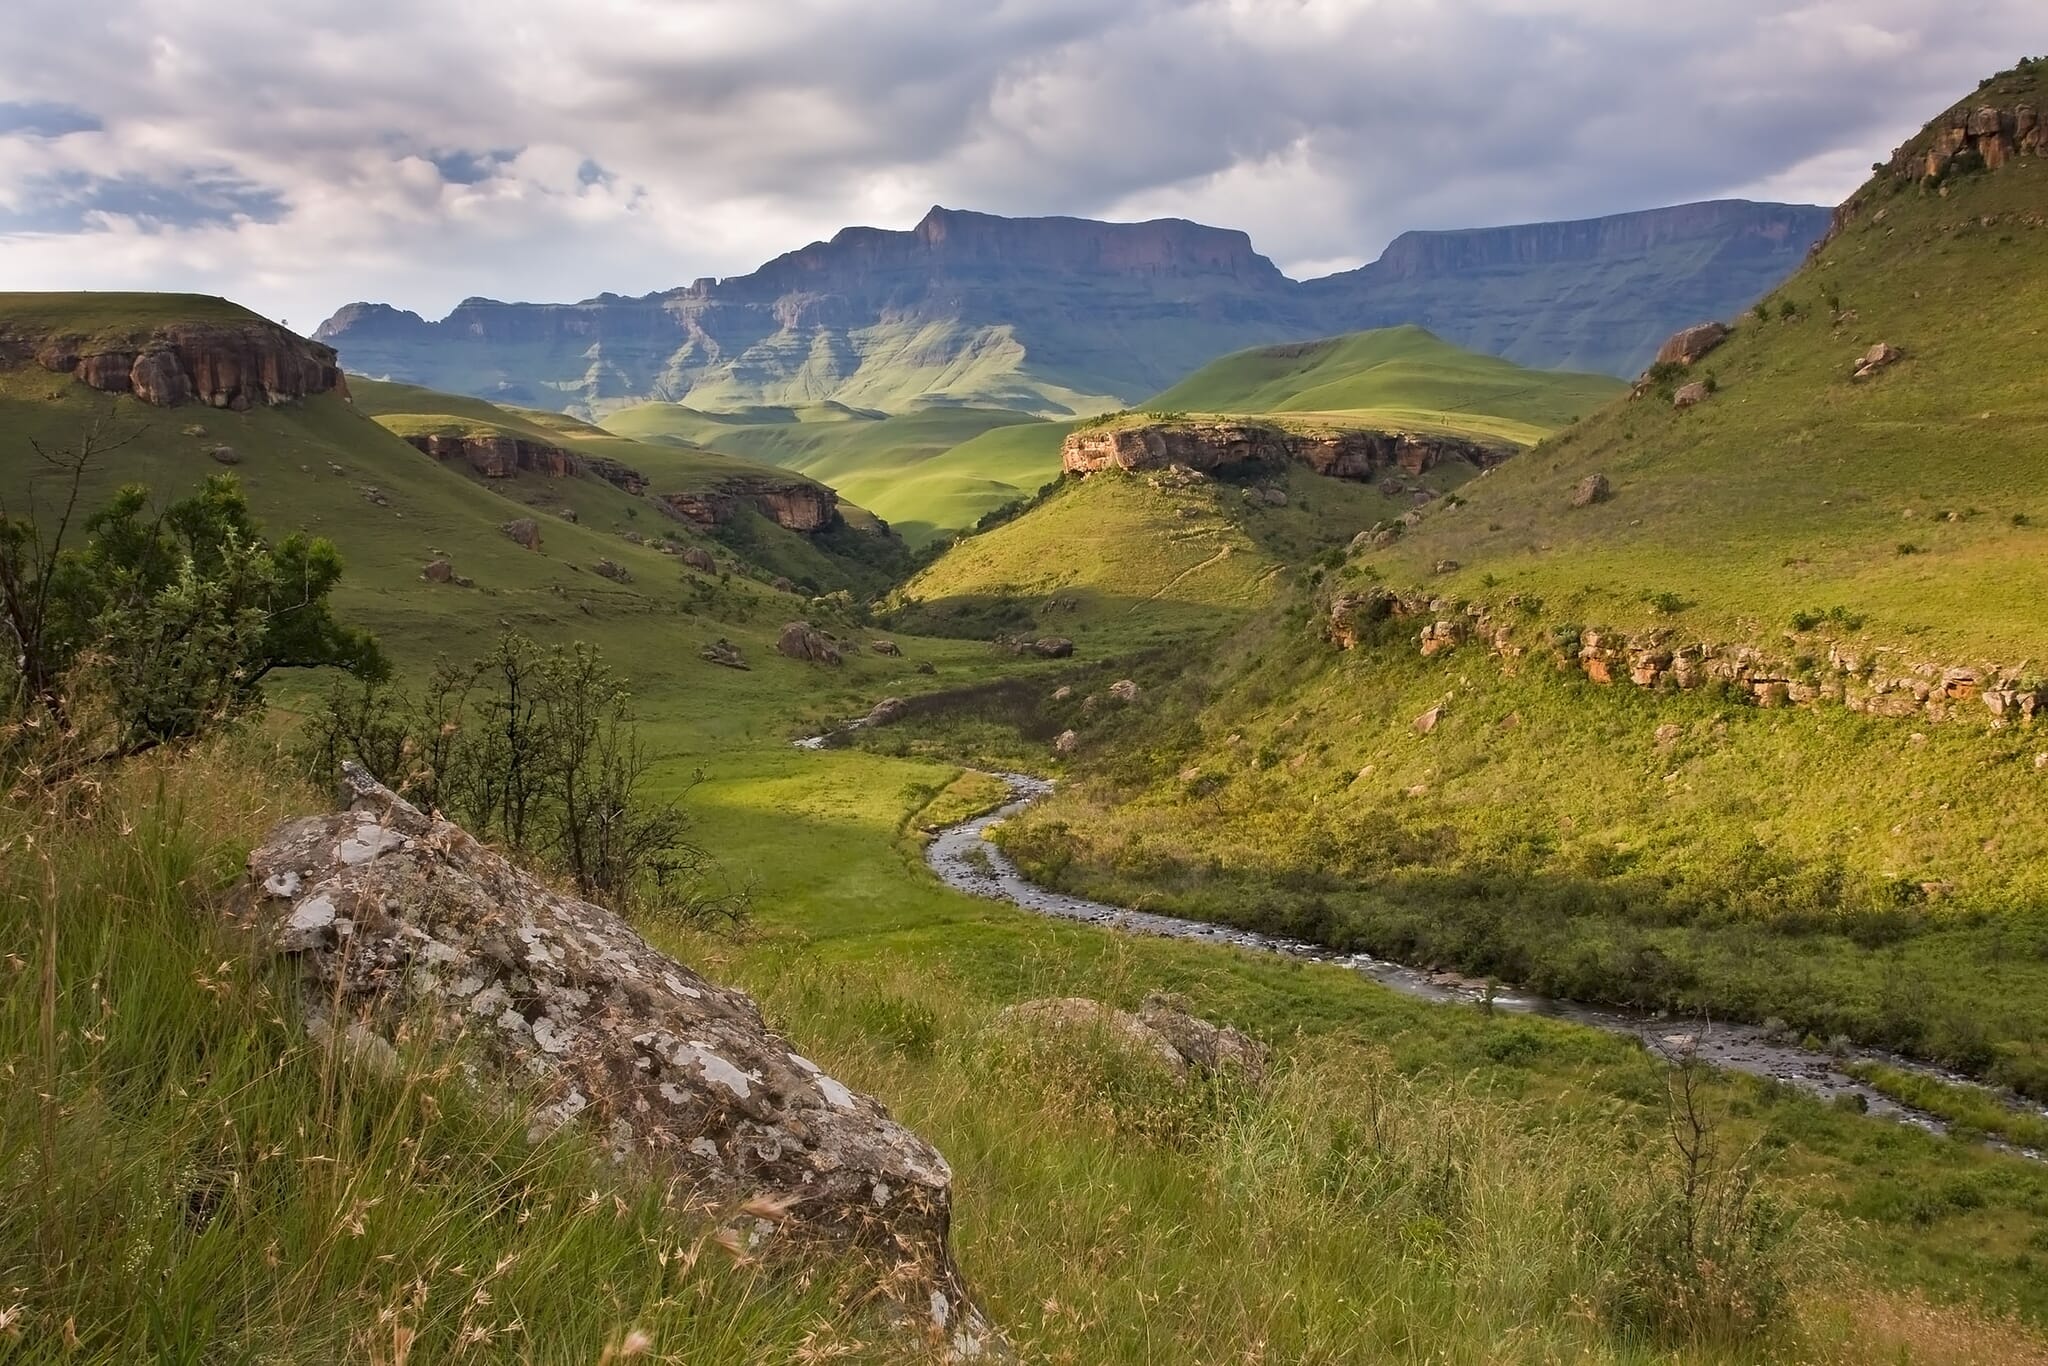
[794,505]
[1025,313]
[1358,455]
[222,365]
[501,457]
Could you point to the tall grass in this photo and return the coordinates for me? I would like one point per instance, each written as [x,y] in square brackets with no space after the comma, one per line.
[185,1175]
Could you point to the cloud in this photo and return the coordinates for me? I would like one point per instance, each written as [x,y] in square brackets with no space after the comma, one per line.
[424,152]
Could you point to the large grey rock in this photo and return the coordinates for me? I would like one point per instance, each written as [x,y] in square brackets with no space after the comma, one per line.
[801,640]
[401,923]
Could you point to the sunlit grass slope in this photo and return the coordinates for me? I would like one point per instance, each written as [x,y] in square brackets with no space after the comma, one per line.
[1913,500]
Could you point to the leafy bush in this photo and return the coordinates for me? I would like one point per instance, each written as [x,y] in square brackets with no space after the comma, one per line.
[161,626]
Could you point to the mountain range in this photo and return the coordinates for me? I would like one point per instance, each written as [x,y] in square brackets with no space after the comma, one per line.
[1067,316]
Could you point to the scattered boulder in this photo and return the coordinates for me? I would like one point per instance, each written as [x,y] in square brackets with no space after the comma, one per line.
[1691,344]
[437,571]
[1879,357]
[1053,647]
[1668,734]
[887,710]
[1594,488]
[886,647]
[225,455]
[1692,395]
[400,925]
[1274,498]
[525,531]
[723,653]
[1444,567]
[1124,690]
[780,585]
[800,640]
[1163,1029]
[610,569]
[567,514]
[1429,720]
[925,666]
[699,559]
[1062,692]
[1067,743]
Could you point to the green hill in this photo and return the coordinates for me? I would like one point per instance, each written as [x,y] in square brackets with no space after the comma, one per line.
[1400,377]
[1725,708]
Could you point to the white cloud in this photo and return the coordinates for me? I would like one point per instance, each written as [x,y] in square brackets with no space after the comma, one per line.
[422,152]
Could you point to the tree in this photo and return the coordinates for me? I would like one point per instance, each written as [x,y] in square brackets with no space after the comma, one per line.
[160,625]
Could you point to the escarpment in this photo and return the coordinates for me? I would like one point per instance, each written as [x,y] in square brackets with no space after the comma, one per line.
[1357,455]
[233,365]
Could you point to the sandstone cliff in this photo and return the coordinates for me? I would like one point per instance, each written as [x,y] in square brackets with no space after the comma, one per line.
[220,364]
[1358,455]
[497,456]
[792,504]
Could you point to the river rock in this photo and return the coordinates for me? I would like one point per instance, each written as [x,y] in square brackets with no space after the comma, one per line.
[402,926]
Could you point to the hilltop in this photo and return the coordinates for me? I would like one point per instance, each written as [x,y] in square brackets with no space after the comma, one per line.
[1067,317]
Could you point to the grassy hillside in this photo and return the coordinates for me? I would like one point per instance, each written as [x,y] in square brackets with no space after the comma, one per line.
[1912,500]
[1400,377]
[182,1178]
[888,463]
[1843,873]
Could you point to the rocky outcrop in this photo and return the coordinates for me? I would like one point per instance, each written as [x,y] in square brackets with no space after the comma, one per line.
[499,455]
[1693,343]
[232,365]
[1594,488]
[1162,1030]
[1882,356]
[723,653]
[1205,446]
[1983,133]
[403,927]
[1874,680]
[800,640]
[794,505]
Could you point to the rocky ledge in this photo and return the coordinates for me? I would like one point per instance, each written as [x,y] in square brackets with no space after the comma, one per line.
[497,456]
[1871,679]
[404,928]
[793,504]
[223,365]
[1974,136]
[1208,446]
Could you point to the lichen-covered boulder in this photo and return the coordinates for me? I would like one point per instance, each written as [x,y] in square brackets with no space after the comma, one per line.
[401,921]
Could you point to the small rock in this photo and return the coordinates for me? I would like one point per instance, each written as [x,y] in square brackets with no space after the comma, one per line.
[1062,692]
[566,514]
[437,571]
[1124,690]
[1274,498]
[525,531]
[1429,720]
[1668,734]
[1594,488]
[1691,396]
[1053,647]
[1879,357]
[1444,567]
[1067,743]
[886,647]
[1691,344]
[224,455]
[699,559]
[608,569]
[925,666]
[887,710]
[195,430]
[723,653]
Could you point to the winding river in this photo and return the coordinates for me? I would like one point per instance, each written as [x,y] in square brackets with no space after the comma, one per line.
[965,860]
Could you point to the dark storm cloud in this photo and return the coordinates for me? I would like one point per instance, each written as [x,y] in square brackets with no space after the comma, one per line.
[539,148]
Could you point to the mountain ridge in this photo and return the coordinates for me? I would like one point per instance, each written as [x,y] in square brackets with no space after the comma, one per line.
[1064,316]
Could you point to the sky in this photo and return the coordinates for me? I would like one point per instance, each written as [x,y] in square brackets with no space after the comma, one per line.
[297,156]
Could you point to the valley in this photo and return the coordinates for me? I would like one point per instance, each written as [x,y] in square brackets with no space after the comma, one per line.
[1383,818]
